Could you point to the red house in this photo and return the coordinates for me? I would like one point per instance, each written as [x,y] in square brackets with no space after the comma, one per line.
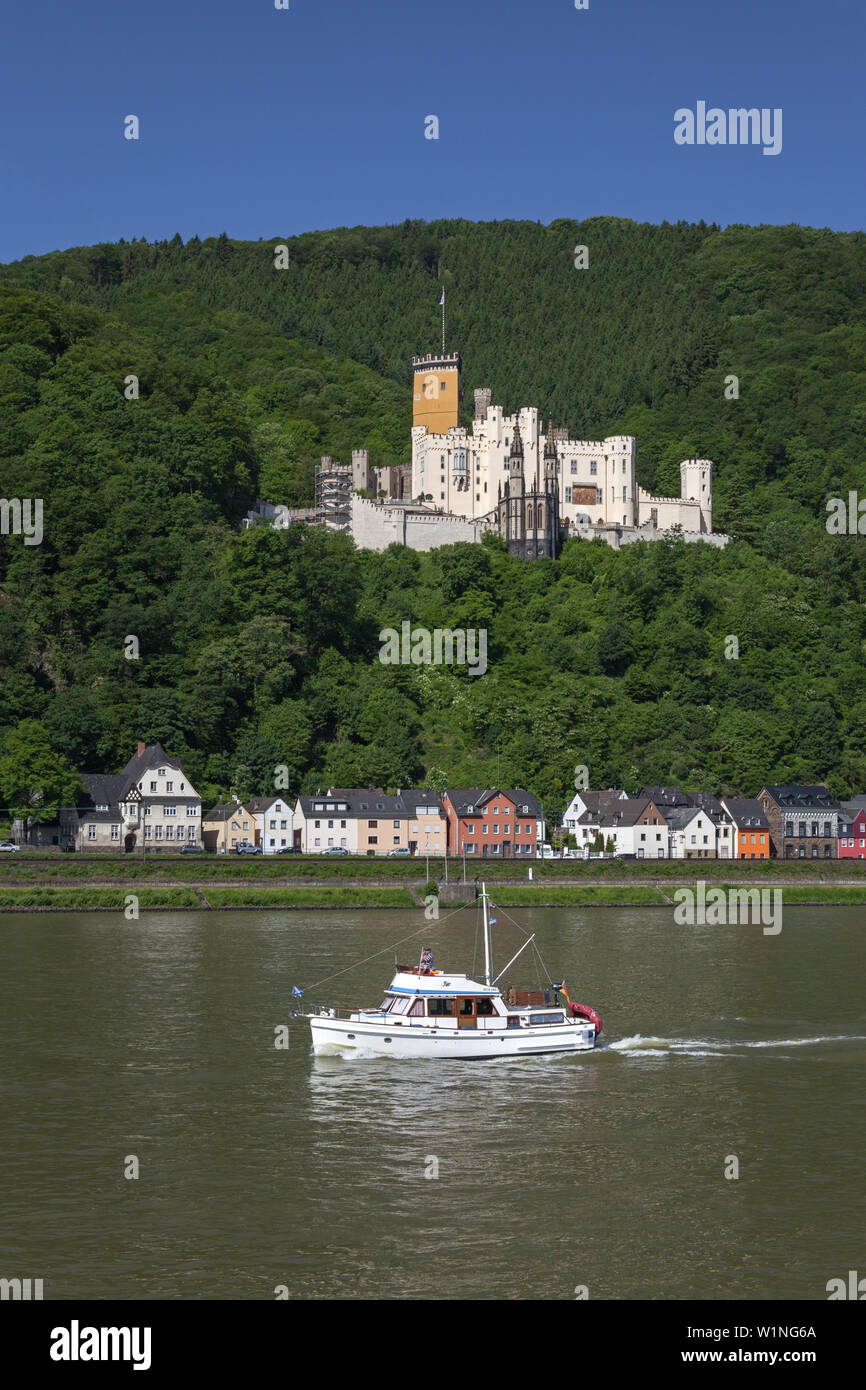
[852,829]
[492,823]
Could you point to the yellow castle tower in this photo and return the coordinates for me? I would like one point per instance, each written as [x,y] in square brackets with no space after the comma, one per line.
[436,391]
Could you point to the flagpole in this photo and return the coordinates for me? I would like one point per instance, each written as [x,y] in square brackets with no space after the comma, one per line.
[442,302]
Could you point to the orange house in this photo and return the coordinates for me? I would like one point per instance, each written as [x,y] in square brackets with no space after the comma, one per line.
[752,827]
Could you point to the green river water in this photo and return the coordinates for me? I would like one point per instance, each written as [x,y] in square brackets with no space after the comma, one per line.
[262,1167]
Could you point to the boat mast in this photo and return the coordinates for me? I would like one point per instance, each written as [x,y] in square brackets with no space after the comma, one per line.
[486,936]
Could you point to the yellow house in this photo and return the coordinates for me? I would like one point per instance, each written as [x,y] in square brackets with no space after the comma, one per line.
[225,826]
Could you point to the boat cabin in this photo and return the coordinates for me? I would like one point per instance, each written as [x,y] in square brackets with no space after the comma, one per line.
[454,1000]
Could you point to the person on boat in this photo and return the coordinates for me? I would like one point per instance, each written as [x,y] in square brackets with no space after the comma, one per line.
[426,961]
[510,996]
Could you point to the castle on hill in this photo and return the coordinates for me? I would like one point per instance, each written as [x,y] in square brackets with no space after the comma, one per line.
[507,475]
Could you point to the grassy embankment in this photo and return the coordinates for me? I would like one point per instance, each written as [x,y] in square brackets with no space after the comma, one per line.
[88,883]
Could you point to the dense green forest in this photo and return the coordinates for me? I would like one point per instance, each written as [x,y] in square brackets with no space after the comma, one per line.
[259,648]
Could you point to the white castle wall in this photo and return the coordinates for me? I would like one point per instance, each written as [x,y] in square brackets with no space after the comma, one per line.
[376,526]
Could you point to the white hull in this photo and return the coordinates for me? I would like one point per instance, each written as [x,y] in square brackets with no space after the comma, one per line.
[343,1037]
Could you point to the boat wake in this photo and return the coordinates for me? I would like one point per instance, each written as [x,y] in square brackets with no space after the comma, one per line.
[639,1046]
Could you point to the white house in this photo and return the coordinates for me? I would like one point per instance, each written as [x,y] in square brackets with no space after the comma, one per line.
[273,819]
[151,802]
[692,832]
[327,821]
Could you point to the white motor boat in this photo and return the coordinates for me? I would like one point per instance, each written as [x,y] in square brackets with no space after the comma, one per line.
[437,1013]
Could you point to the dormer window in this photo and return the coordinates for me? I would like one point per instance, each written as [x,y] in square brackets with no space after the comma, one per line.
[161,771]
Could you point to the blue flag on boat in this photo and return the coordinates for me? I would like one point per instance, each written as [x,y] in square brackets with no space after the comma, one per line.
[297,992]
[492,921]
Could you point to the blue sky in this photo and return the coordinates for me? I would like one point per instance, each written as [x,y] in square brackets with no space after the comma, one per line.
[261,122]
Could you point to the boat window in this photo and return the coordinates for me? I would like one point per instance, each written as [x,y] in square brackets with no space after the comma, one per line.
[467,1008]
[484,1007]
[417,1008]
[546,1018]
[441,1008]
[399,1006]
[384,1006]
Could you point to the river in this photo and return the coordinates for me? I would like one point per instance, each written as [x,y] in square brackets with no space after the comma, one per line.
[261,1167]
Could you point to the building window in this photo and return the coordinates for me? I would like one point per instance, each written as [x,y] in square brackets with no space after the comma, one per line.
[169,786]
[169,832]
[115,832]
[158,835]
[593,469]
[153,786]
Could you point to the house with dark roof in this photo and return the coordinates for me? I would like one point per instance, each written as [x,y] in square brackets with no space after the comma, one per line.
[371,821]
[852,828]
[610,822]
[804,821]
[751,827]
[491,823]
[227,825]
[273,822]
[594,802]
[151,804]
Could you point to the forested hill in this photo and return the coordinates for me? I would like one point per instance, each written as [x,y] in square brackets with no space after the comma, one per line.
[641,341]
[260,648]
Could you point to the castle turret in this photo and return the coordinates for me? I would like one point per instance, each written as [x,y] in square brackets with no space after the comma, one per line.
[696,485]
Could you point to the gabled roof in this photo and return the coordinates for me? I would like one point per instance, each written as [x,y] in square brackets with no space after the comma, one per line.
[257,804]
[795,797]
[223,811]
[678,817]
[665,796]
[746,812]
[154,755]
[100,789]
[601,805]
[462,798]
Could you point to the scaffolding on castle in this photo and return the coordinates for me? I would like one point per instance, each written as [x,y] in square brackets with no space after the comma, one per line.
[334,495]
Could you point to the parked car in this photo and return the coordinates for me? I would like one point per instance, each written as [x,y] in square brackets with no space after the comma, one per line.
[400,854]
[546,852]
[9,847]
[192,849]
[289,849]
[335,849]
[246,848]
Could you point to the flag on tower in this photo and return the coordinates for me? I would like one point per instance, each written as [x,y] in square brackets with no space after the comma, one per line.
[442,300]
